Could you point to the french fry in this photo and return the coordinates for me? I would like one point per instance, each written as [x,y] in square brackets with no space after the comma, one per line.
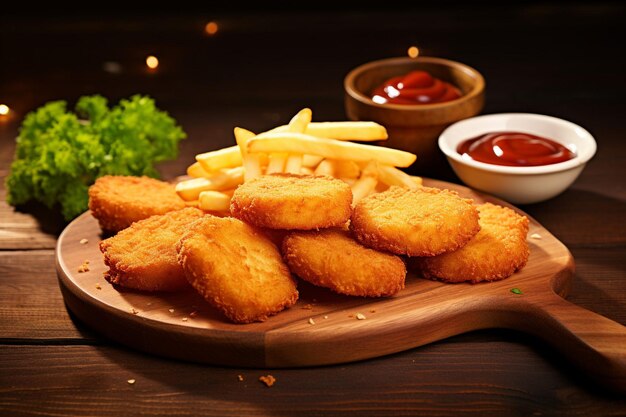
[361,131]
[190,190]
[221,158]
[293,164]
[307,171]
[298,124]
[300,121]
[366,184]
[251,162]
[393,176]
[276,162]
[326,167]
[329,148]
[346,169]
[341,169]
[214,201]
[417,180]
[311,161]
[195,170]
[229,178]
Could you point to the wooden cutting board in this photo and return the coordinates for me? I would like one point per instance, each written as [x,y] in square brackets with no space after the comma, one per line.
[184,326]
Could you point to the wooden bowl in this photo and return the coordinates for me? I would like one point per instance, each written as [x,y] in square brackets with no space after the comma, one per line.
[414,128]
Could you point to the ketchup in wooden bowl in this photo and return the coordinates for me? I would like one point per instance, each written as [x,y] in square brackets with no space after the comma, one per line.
[415,87]
[514,149]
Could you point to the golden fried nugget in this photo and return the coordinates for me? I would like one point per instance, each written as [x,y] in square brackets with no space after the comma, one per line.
[331,258]
[143,256]
[236,268]
[496,252]
[293,202]
[421,222]
[117,201]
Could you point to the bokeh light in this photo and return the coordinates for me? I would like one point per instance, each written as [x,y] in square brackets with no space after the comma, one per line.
[4,109]
[413,51]
[211,28]
[152,62]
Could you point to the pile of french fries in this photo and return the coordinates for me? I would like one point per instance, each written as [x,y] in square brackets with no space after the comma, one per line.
[300,147]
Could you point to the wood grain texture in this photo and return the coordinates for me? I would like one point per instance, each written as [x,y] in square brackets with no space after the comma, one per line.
[31,305]
[22,230]
[425,311]
[424,381]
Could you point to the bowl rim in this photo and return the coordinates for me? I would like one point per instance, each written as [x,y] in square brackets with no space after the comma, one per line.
[583,155]
[350,88]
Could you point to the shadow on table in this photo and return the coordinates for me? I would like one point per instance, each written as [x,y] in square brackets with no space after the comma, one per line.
[50,221]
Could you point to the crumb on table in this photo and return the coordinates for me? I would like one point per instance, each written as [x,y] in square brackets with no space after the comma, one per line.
[84,267]
[268,380]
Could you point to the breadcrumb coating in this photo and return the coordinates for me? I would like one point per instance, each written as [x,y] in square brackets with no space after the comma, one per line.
[119,201]
[331,258]
[293,202]
[496,252]
[421,222]
[236,268]
[143,256]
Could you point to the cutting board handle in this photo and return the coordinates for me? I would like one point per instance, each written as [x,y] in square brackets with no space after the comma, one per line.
[593,342]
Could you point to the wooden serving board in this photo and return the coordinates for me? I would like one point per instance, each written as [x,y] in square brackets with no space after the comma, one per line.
[184,326]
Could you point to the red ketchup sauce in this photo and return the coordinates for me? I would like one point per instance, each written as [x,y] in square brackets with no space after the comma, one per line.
[514,149]
[416,87]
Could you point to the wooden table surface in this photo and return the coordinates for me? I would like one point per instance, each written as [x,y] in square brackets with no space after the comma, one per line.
[256,72]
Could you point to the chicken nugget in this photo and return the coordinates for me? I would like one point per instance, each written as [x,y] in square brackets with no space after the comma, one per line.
[421,222]
[496,252]
[331,258]
[117,201]
[236,268]
[143,256]
[293,202]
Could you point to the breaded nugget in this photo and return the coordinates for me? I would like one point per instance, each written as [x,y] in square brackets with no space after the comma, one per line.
[236,268]
[331,258]
[117,201]
[421,222]
[293,202]
[143,256]
[496,252]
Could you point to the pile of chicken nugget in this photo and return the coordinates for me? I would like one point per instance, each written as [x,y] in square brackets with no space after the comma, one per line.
[353,236]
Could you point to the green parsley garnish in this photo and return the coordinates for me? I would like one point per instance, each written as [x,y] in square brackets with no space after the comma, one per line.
[516,291]
[59,154]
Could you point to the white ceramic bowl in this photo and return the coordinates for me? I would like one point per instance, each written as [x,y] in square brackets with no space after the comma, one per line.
[519,185]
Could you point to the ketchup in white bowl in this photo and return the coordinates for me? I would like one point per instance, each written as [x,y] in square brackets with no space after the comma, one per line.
[516,149]
[523,158]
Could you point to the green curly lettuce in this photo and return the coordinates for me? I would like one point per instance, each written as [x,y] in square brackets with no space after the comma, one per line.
[59,154]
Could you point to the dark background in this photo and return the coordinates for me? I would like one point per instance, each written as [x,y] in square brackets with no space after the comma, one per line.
[255,63]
